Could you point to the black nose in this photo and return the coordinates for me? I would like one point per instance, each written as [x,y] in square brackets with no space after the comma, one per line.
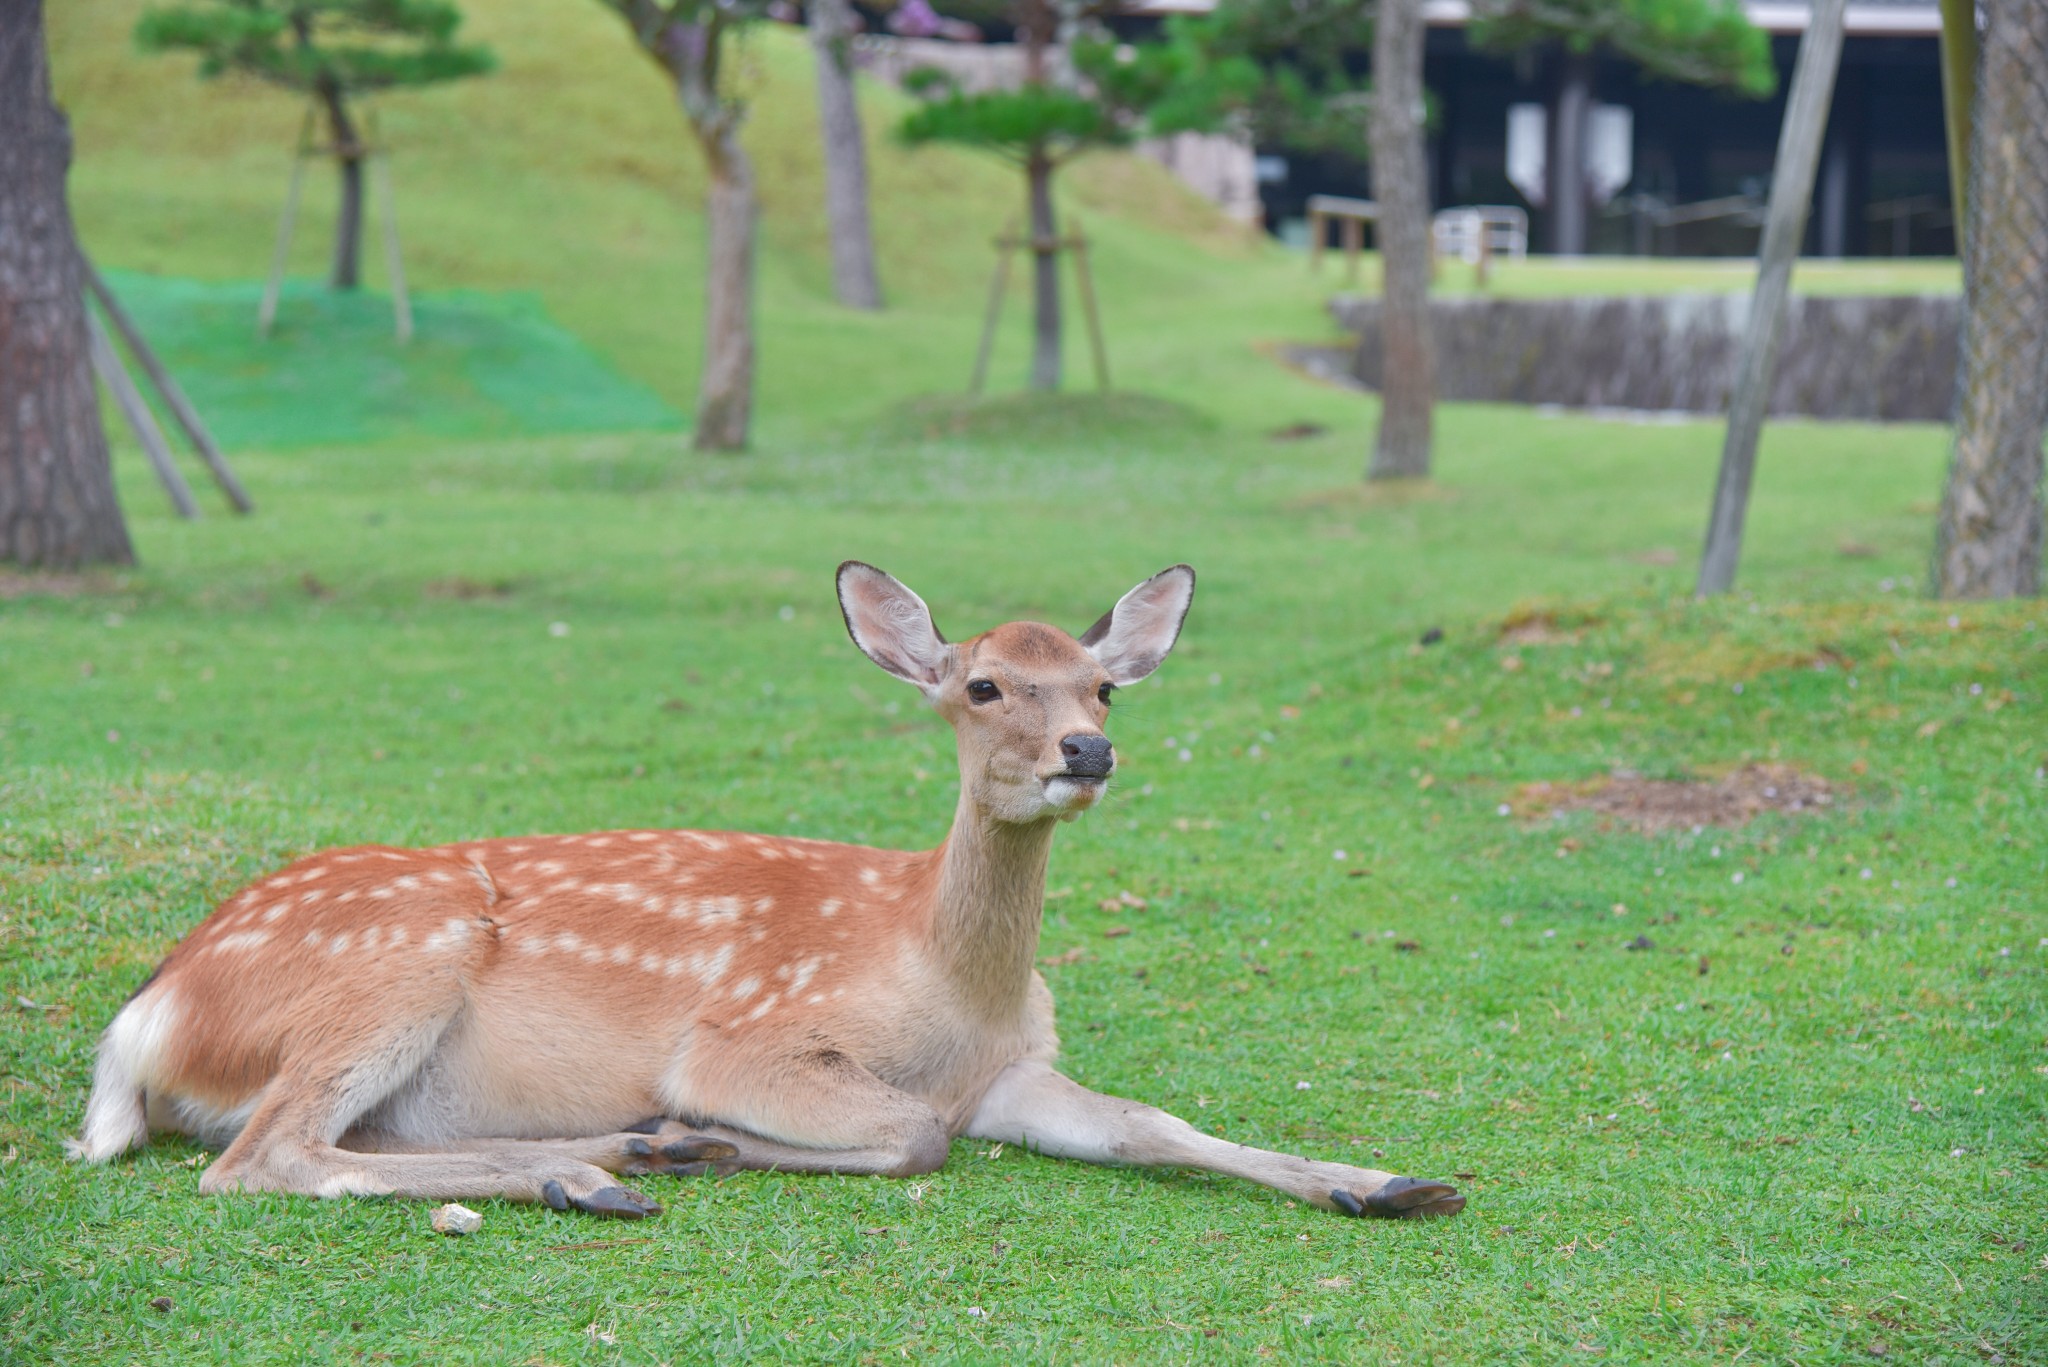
[1088,756]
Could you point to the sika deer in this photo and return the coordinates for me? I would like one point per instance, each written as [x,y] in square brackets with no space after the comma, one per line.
[531,1018]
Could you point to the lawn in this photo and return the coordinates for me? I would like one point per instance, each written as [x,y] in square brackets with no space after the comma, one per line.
[1803,1119]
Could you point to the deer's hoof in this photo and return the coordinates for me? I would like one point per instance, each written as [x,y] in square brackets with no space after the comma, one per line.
[620,1203]
[1404,1198]
[690,1156]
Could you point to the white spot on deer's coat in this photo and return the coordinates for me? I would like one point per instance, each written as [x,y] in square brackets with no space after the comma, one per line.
[708,842]
[650,963]
[767,1004]
[764,904]
[597,842]
[246,939]
[718,911]
[870,876]
[311,895]
[641,836]
[338,943]
[397,936]
[593,955]
[346,895]
[313,938]
[709,968]
[568,942]
[745,988]
[805,971]
[405,883]
[370,938]
[622,954]
[532,945]
[674,967]
[830,906]
[814,998]
[383,894]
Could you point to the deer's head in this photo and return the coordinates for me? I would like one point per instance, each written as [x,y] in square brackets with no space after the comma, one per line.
[1027,701]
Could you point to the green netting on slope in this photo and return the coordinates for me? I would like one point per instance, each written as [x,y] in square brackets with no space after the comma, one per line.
[332,372]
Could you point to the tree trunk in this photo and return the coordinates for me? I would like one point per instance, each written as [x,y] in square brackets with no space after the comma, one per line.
[57,505]
[1989,540]
[1568,156]
[348,220]
[1045,276]
[725,391]
[846,164]
[1400,188]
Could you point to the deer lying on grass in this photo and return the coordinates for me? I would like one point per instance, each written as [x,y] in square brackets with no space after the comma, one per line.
[533,1018]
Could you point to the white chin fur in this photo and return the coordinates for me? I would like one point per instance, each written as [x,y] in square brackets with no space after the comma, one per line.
[1071,797]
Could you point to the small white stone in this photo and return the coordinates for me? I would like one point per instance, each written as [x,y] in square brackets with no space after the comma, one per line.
[1302,1086]
[456,1220]
[558,629]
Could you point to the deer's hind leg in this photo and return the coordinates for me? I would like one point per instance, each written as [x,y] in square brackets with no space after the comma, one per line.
[293,1140]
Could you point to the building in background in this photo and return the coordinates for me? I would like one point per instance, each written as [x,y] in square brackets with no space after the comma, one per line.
[1676,169]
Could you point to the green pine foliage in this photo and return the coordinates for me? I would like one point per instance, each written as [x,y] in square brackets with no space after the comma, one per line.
[1295,70]
[1703,42]
[1011,122]
[347,46]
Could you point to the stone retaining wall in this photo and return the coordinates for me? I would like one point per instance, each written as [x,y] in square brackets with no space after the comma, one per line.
[1878,359]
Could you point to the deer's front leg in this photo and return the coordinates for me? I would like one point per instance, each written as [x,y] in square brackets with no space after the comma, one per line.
[1033,1106]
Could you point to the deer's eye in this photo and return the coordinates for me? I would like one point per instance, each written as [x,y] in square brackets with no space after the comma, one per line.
[1104,692]
[981,690]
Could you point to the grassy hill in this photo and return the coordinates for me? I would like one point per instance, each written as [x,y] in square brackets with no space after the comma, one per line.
[570,172]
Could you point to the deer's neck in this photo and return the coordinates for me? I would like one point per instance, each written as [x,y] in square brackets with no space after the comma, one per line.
[988,898]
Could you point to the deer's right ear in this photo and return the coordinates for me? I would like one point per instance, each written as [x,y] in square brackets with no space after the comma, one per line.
[892,626]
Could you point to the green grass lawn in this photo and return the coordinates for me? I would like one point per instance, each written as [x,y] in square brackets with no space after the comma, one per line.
[1806,1122]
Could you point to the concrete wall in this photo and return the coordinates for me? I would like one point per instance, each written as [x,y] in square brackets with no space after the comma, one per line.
[1883,359]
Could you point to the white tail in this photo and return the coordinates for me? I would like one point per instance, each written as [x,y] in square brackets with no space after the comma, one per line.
[530,1018]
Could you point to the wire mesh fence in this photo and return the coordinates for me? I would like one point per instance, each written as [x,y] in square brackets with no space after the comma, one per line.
[1991,521]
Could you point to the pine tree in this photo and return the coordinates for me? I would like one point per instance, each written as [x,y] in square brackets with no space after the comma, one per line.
[333,51]
[1122,92]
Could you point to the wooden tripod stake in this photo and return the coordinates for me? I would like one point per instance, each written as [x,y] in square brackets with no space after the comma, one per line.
[106,363]
[380,175]
[1011,241]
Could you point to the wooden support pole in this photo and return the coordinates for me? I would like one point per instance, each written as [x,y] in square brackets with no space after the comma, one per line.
[1005,245]
[267,314]
[1354,246]
[141,421]
[1086,282]
[394,263]
[1806,115]
[173,397]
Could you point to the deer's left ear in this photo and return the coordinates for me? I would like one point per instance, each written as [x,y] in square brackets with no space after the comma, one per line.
[1134,636]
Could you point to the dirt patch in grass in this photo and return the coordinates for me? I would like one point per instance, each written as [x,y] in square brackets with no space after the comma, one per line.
[462,587]
[14,584]
[1650,805]
[1532,625]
